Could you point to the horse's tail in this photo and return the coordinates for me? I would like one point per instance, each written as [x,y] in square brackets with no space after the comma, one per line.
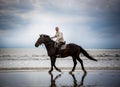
[86,54]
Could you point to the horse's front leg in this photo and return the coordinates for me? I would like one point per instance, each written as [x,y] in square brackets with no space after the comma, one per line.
[55,65]
[51,65]
[53,60]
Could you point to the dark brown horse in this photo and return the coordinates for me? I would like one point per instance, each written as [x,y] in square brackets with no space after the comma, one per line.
[72,50]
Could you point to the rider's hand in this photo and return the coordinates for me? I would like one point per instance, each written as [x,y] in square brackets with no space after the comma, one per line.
[51,37]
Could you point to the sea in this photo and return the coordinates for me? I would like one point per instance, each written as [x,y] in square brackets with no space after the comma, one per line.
[37,58]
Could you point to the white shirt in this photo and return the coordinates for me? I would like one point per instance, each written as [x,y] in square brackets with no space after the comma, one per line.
[59,36]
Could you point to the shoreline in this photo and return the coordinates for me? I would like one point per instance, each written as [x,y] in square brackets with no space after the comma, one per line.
[62,68]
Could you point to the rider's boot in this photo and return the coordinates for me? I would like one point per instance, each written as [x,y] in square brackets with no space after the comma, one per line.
[59,52]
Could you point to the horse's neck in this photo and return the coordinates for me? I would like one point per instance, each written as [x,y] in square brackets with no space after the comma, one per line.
[50,49]
[49,46]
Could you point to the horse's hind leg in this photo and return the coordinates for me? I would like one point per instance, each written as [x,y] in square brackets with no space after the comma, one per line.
[57,68]
[81,62]
[75,63]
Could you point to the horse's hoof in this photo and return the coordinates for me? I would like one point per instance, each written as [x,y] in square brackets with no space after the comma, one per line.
[85,71]
[49,71]
[70,72]
[59,70]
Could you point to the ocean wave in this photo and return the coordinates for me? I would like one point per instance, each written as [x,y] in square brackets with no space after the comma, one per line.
[47,58]
[20,56]
[41,54]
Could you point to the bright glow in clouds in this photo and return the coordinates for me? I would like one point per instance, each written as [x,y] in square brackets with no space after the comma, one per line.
[83,22]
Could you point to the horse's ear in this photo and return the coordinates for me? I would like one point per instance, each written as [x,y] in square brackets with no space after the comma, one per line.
[40,35]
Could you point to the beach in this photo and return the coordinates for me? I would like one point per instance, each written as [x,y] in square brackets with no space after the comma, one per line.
[28,67]
[94,78]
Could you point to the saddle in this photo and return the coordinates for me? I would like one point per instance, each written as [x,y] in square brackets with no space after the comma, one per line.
[61,45]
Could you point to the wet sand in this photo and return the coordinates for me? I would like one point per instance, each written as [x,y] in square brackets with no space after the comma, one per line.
[41,78]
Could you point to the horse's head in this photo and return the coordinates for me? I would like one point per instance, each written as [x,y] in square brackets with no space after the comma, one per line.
[42,39]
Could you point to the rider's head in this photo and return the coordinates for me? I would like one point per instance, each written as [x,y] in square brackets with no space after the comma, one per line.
[57,29]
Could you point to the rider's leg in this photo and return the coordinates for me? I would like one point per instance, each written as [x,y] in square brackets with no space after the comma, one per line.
[59,49]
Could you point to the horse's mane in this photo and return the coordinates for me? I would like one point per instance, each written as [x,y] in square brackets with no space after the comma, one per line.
[47,36]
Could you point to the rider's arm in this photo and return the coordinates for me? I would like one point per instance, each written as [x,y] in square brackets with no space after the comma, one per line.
[54,36]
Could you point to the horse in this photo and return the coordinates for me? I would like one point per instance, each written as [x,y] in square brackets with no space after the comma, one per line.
[71,49]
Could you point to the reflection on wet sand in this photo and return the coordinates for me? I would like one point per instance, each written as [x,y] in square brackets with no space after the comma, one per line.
[94,78]
[75,82]
[53,84]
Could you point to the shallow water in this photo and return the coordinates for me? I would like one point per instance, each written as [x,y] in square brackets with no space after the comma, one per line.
[37,58]
[96,78]
[60,63]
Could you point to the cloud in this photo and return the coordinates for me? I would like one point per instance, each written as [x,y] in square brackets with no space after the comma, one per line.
[18,5]
[79,5]
[92,21]
[87,5]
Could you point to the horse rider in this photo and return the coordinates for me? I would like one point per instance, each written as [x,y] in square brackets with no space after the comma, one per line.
[59,39]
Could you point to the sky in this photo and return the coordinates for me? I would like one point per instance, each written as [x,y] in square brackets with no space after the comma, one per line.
[92,24]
